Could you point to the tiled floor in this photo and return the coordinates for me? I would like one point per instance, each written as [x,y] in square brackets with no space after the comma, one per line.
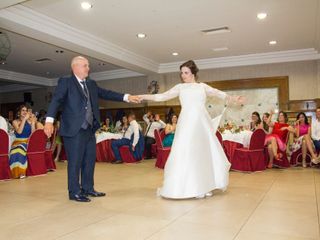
[275,204]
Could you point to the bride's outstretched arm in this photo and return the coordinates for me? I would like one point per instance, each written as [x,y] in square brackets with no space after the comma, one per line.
[171,93]
[220,94]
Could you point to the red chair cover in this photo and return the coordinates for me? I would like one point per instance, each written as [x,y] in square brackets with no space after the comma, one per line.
[104,151]
[36,153]
[296,158]
[126,155]
[229,148]
[251,159]
[4,156]
[162,152]
[219,136]
[48,155]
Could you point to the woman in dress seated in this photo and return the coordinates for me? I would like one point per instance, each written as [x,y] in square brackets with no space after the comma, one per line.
[265,122]
[303,138]
[278,137]
[255,121]
[123,125]
[24,125]
[169,131]
[107,125]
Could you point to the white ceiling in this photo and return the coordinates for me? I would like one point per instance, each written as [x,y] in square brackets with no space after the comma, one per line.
[107,32]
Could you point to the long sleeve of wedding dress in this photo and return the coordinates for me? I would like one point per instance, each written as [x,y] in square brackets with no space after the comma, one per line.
[213,92]
[171,93]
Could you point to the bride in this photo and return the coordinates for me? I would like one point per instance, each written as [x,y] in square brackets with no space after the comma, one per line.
[197,163]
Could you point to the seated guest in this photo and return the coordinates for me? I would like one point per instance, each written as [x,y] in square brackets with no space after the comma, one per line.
[265,122]
[153,122]
[3,124]
[24,125]
[169,131]
[303,138]
[131,131]
[278,137]
[124,124]
[315,134]
[255,121]
[107,125]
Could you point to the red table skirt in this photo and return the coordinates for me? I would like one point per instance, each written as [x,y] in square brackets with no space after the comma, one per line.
[104,151]
[230,147]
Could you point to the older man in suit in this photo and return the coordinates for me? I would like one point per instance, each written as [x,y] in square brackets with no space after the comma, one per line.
[78,96]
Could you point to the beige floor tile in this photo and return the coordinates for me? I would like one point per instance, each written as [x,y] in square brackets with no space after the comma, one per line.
[285,218]
[191,231]
[251,235]
[119,227]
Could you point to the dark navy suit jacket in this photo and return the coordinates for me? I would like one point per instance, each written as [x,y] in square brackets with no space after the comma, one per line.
[70,96]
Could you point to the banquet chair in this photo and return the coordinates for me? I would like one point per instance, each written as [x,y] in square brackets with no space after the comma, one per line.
[283,162]
[162,152]
[4,156]
[251,159]
[51,166]
[219,136]
[129,156]
[36,153]
[296,158]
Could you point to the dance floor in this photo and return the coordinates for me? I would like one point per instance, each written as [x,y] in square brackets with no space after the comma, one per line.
[275,204]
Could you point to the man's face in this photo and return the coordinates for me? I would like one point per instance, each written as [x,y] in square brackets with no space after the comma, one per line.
[81,68]
[318,113]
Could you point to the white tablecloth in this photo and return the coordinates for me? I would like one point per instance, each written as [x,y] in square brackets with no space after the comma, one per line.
[107,135]
[242,137]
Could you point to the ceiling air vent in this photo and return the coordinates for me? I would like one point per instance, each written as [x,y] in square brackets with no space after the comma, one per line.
[42,60]
[216,30]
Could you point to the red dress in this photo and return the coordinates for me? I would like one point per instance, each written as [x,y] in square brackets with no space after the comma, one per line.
[279,135]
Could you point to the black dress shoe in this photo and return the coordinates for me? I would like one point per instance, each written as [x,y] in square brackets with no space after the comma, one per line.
[79,198]
[94,194]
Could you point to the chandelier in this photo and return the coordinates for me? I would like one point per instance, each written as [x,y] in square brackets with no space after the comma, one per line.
[5,47]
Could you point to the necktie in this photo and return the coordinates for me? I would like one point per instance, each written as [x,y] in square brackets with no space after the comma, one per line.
[85,89]
[89,114]
[148,128]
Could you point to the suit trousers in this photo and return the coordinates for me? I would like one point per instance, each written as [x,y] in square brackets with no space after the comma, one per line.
[148,141]
[81,154]
[116,144]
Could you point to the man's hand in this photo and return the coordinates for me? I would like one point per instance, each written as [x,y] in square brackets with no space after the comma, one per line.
[134,99]
[133,148]
[48,129]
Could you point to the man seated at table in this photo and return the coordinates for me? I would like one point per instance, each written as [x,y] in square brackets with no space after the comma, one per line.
[132,130]
[153,122]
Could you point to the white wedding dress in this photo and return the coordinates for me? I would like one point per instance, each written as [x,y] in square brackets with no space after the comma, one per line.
[197,163]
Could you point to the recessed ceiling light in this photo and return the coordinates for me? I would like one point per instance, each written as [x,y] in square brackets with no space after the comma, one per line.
[86,5]
[273,42]
[175,54]
[59,51]
[220,49]
[261,15]
[101,64]
[141,35]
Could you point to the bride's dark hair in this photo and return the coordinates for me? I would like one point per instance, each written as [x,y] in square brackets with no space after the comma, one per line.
[192,66]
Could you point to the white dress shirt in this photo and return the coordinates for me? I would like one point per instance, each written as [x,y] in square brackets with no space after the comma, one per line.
[315,129]
[151,126]
[3,124]
[133,128]
[125,99]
